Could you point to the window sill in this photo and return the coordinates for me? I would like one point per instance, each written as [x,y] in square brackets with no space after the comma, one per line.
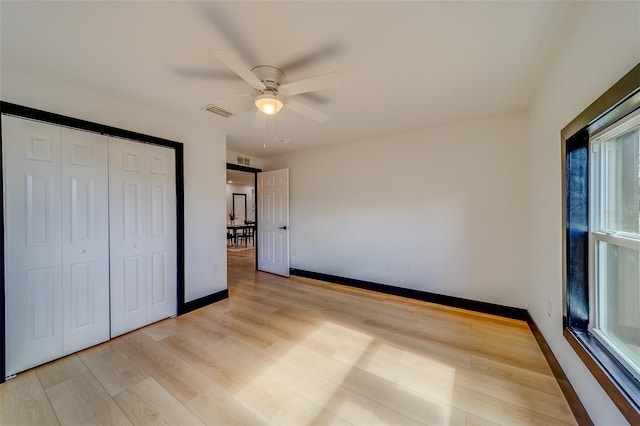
[617,382]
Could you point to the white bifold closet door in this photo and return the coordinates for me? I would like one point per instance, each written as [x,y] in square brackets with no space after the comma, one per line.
[57,242]
[85,240]
[142,210]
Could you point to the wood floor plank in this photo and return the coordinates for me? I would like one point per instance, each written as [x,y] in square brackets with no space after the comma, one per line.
[150,403]
[81,400]
[497,391]
[295,378]
[244,380]
[60,370]
[473,420]
[544,382]
[432,349]
[383,415]
[178,376]
[24,402]
[303,412]
[161,329]
[351,406]
[229,325]
[199,325]
[245,375]
[502,412]
[114,370]
[217,406]
[210,362]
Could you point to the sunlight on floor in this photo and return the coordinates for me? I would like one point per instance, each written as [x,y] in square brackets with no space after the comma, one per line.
[335,379]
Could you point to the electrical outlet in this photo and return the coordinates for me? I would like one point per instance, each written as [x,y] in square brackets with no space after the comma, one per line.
[216,268]
[388,266]
[412,266]
[549,307]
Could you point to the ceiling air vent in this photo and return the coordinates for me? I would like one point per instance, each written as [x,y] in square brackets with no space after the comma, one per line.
[217,110]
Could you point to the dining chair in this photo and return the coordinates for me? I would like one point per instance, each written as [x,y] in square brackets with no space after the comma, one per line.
[246,235]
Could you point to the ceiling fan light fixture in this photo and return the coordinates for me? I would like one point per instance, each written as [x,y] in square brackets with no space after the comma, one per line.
[268,104]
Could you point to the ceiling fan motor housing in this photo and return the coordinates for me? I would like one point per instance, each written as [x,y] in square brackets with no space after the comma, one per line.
[271,77]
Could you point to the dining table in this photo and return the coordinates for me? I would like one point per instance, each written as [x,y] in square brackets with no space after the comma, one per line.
[234,228]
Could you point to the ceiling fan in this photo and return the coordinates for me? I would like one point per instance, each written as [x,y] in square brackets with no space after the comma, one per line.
[273,92]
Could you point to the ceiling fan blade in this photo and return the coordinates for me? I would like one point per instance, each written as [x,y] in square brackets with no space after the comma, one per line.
[315,98]
[232,96]
[236,65]
[318,53]
[307,111]
[319,82]
[204,74]
[216,13]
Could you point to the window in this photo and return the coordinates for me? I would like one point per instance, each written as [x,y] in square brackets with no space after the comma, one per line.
[601,242]
[615,240]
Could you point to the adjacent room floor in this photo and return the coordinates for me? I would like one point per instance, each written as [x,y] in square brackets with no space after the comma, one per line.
[298,351]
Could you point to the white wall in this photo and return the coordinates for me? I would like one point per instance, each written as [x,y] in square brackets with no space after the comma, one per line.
[256,163]
[451,199]
[241,189]
[604,46]
[204,162]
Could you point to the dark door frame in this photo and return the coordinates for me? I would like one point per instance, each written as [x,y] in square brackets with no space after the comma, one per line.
[233,204]
[239,168]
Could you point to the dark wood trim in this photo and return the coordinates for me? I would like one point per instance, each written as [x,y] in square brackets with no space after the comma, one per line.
[7,108]
[238,167]
[578,410]
[179,152]
[456,302]
[3,371]
[616,380]
[255,217]
[203,301]
[616,95]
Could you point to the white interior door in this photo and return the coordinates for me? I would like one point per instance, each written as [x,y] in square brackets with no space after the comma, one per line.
[161,232]
[142,206]
[85,240]
[127,216]
[240,208]
[33,266]
[273,222]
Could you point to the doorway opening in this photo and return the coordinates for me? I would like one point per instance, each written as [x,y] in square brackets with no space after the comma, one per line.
[241,218]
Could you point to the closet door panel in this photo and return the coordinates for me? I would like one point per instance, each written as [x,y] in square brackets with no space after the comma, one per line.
[33,276]
[85,231]
[128,216]
[161,232]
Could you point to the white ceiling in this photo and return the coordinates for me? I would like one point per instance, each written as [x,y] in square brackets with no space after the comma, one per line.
[403,65]
[241,178]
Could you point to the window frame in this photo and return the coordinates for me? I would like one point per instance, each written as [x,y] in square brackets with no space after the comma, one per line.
[600,232]
[578,266]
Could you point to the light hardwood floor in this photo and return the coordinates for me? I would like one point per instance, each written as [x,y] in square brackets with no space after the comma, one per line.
[294,352]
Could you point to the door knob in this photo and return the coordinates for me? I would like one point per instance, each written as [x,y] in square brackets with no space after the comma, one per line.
[134,245]
[282,227]
[83,251]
